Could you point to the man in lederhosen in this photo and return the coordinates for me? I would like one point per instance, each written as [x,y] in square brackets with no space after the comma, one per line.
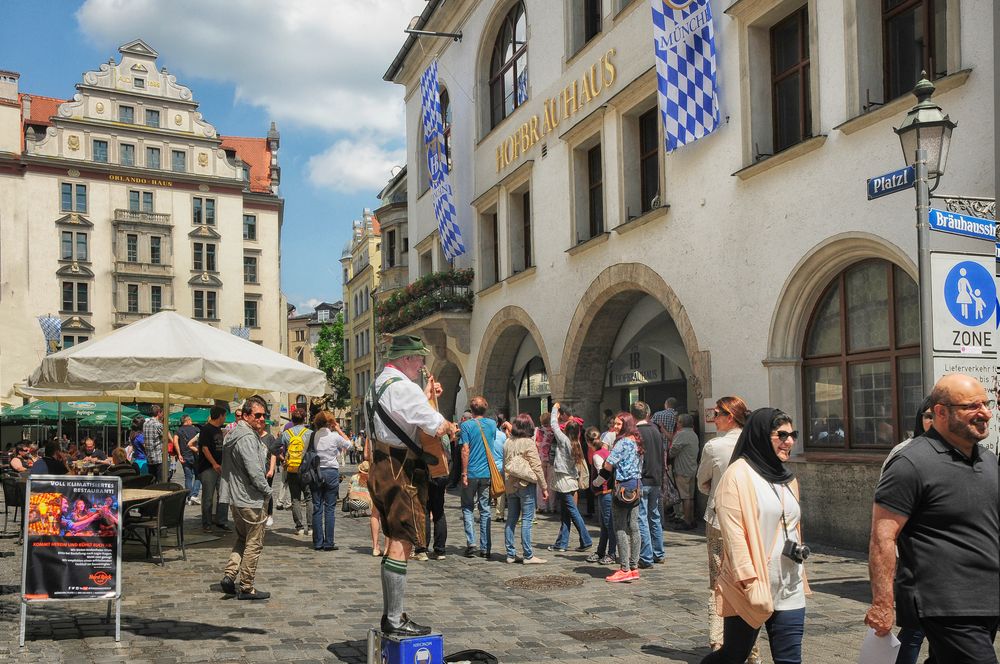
[396,408]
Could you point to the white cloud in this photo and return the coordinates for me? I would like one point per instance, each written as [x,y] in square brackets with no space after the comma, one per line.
[314,64]
[350,165]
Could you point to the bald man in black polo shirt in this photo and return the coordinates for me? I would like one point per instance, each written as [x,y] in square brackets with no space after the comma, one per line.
[939,502]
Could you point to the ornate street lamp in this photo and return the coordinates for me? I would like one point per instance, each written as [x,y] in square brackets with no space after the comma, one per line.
[925,137]
[926,128]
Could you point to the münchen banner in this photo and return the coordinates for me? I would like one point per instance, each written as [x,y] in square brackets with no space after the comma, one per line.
[686,76]
[437,164]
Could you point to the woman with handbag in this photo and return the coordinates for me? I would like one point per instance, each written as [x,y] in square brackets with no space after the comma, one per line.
[762,579]
[625,461]
[522,473]
[568,455]
[607,544]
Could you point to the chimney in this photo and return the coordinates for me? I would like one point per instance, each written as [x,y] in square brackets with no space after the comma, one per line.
[8,85]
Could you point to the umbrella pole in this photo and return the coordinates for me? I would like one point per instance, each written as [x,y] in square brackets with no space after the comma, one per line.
[59,416]
[118,440]
[165,465]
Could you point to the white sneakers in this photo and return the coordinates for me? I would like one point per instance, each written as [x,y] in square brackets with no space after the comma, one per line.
[194,500]
[270,522]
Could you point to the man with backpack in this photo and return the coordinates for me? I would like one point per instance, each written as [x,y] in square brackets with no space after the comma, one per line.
[295,440]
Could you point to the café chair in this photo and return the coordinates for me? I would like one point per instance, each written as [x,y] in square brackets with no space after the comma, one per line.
[13,497]
[169,514]
[138,482]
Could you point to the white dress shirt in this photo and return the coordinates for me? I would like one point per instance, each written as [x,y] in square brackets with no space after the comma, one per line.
[405,402]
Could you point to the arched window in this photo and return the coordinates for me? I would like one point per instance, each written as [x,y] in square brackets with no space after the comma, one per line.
[509,65]
[446,123]
[861,360]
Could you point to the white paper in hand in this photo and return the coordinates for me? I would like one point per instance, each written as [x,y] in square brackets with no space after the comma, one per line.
[878,649]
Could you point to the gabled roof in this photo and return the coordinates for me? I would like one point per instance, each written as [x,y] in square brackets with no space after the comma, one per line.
[42,109]
[255,154]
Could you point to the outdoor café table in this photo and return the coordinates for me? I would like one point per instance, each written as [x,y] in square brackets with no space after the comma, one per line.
[140,495]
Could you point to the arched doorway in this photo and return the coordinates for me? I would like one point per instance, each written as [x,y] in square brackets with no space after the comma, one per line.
[630,339]
[454,389]
[512,347]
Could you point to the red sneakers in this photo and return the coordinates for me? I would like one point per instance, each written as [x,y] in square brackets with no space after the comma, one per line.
[621,576]
[634,575]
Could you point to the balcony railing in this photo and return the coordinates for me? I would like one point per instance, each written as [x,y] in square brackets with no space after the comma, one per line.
[143,269]
[436,292]
[136,216]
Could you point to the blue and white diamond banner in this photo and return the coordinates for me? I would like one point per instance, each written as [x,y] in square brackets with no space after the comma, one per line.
[52,331]
[437,164]
[686,76]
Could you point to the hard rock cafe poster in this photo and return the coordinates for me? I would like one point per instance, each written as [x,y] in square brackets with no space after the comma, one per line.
[72,543]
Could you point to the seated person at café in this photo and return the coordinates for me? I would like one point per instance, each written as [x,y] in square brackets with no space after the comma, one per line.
[122,467]
[91,454]
[22,459]
[52,462]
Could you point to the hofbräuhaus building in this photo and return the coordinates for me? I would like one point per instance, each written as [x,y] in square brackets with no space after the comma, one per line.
[123,200]
[748,262]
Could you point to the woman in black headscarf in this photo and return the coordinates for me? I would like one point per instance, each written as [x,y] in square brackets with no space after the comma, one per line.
[762,581]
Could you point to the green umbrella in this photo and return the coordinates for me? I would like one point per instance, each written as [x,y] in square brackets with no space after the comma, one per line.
[198,416]
[109,419]
[70,410]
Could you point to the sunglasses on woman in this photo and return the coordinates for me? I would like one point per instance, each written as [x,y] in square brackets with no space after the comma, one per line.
[785,435]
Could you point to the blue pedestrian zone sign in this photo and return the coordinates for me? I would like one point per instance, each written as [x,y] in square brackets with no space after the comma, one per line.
[970,292]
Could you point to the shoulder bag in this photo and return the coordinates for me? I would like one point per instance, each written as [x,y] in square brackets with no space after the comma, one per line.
[519,468]
[497,487]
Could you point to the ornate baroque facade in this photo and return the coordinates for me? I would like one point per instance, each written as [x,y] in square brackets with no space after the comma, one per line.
[124,200]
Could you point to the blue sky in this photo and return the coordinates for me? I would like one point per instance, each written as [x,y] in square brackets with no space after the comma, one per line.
[313,66]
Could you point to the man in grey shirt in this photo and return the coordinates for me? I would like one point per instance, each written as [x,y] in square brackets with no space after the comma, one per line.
[684,457]
[244,486]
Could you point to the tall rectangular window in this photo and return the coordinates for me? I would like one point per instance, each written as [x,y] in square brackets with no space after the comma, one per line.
[199,304]
[595,191]
[197,210]
[250,269]
[211,310]
[127,154]
[791,108]
[198,263]
[210,211]
[101,151]
[152,118]
[649,158]
[152,157]
[68,291]
[81,247]
[66,247]
[133,201]
[132,248]
[82,299]
[591,19]
[133,298]
[155,249]
[250,313]
[178,161]
[526,228]
[126,114]
[155,298]
[390,249]
[249,227]
[147,201]
[203,210]
[210,257]
[914,39]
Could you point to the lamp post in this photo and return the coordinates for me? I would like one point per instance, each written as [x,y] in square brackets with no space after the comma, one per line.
[925,136]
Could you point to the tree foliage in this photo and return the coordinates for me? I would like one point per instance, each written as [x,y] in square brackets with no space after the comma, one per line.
[329,352]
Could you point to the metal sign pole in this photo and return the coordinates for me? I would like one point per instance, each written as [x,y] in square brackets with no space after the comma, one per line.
[924,272]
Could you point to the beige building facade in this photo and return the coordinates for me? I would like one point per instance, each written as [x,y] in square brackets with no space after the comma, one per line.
[749,262]
[361,261]
[123,200]
[303,335]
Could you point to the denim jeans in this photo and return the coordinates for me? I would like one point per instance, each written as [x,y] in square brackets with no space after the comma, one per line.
[650,526]
[210,484]
[626,518]
[608,543]
[784,632]
[477,494]
[324,507]
[191,481]
[910,640]
[570,514]
[300,498]
[521,503]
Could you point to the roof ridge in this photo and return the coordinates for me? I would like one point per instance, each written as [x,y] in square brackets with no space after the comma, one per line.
[37,96]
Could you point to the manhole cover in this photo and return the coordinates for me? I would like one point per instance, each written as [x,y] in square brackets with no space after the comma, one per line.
[601,634]
[547,582]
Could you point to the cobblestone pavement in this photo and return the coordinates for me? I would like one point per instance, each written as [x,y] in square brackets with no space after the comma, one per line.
[323,604]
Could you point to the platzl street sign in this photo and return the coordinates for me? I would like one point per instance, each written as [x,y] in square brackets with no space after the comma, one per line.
[890,183]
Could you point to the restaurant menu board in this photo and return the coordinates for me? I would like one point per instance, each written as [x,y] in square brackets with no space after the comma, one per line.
[72,541]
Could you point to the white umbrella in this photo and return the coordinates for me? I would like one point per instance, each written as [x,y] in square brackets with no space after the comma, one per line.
[170,354]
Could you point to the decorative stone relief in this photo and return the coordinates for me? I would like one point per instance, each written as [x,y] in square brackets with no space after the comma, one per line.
[99,107]
[202,159]
[73,142]
[73,173]
[172,85]
[203,188]
[178,119]
[102,78]
[206,129]
[72,108]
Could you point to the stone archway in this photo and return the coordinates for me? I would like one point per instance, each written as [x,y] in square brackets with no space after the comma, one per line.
[447,370]
[799,296]
[594,328]
[501,341]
